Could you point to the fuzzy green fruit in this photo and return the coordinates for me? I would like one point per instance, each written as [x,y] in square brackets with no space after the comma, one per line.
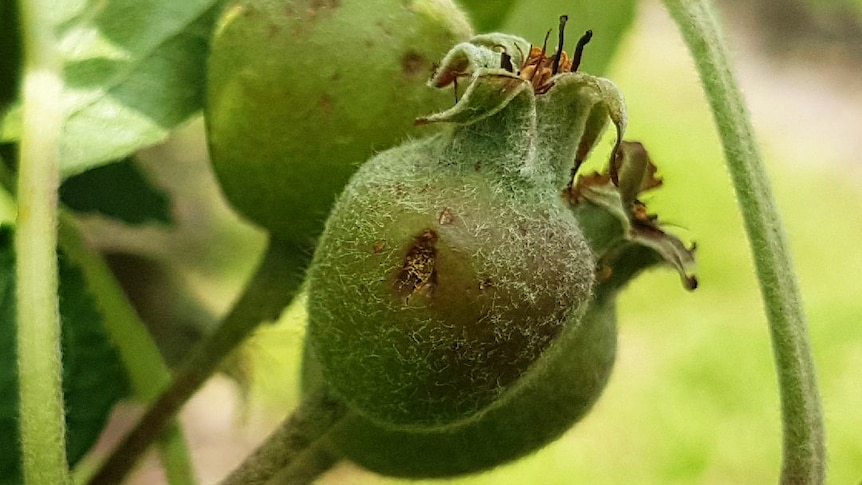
[301,92]
[568,379]
[548,401]
[434,288]
[462,298]
[450,265]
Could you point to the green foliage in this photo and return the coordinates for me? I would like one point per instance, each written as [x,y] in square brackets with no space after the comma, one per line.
[93,378]
[134,71]
[609,21]
[487,16]
[119,190]
[10,55]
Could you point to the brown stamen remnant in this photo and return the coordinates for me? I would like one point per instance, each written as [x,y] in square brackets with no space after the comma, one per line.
[539,68]
[418,273]
[579,50]
[560,41]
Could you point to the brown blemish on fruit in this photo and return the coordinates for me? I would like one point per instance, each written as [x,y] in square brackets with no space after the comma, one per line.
[320,4]
[384,28]
[315,10]
[273,31]
[379,245]
[325,104]
[446,217]
[418,274]
[414,65]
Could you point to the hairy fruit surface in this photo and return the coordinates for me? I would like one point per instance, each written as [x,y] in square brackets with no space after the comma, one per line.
[435,288]
[301,92]
[546,403]
[462,297]
[450,265]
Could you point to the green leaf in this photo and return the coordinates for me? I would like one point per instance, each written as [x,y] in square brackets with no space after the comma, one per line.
[119,190]
[134,71]
[10,71]
[10,55]
[10,123]
[608,20]
[93,378]
[484,15]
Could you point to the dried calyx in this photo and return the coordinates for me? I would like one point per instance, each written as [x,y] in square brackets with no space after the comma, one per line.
[572,109]
[625,237]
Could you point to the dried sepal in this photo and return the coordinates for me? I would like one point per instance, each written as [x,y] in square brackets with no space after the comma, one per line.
[482,54]
[624,235]
[490,92]
[570,109]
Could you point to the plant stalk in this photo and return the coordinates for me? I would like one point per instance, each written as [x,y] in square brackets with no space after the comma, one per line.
[40,366]
[307,466]
[272,287]
[804,454]
[143,362]
[298,435]
[175,457]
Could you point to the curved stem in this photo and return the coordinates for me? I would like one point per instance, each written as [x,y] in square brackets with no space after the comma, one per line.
[41,416]
[307,467]
[804,460]
[271,288]
[148,373]
[175,456]
[300,433]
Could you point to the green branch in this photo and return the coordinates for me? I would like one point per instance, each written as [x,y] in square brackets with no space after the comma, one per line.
[296,439]
[175,457]
[804,460]
[41,412]
[270,289]
[148,373]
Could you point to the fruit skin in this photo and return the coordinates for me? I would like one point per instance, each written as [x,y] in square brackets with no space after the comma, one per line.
[436,287]
[506,160]
[301,92]
[546,404]
[399,289]
[450,265]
